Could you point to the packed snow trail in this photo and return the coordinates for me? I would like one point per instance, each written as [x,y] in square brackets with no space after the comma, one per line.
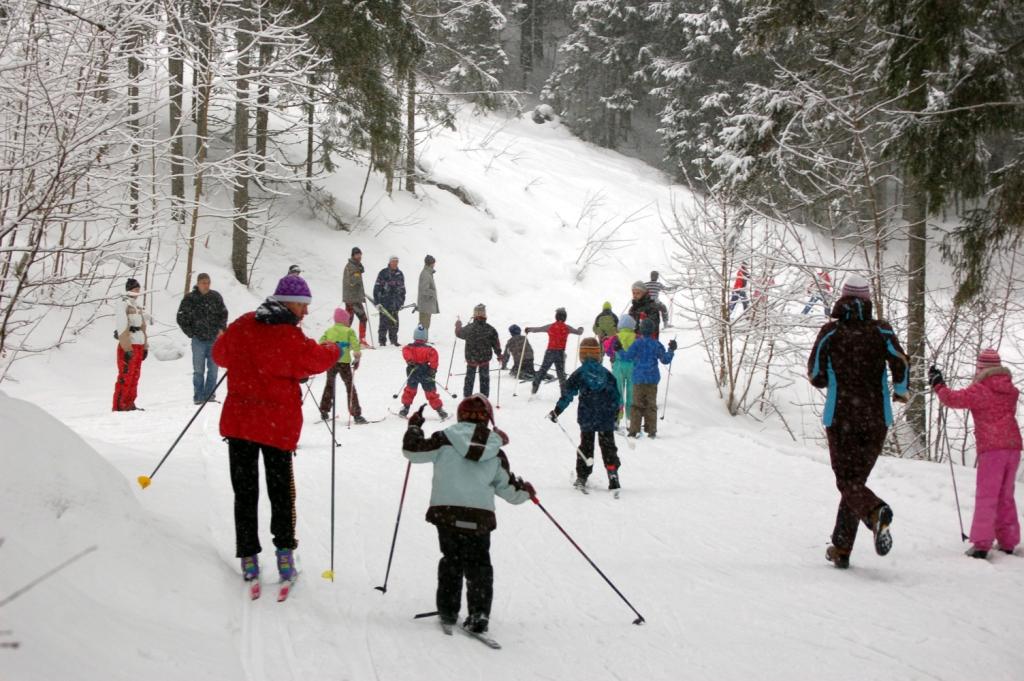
[718,538]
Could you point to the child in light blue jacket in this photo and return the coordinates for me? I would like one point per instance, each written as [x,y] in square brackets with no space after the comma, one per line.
[469,470]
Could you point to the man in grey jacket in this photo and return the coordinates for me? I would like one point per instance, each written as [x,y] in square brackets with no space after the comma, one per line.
[426,297]
[469,470]
[353,294]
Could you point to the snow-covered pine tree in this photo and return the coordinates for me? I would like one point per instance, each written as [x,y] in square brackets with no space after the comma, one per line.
[598,82]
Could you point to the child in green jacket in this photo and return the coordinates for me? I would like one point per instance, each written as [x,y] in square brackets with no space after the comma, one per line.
[348,341]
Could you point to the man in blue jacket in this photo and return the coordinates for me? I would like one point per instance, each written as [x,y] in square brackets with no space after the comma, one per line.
[645,353]
[599,405]
[389,292]
[469,470]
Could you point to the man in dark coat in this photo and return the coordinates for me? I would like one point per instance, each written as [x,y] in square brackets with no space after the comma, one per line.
[202,317]
[645,307]
[481,341]
[389,292]
[850,357]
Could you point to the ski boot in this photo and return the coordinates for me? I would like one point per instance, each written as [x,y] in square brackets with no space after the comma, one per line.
[580,484]
[881,518]
[442,414]
[250,567]
[613,480]
[286,565]
[838,557]
[975,552]
[476,624]
[404,411]
[359,420]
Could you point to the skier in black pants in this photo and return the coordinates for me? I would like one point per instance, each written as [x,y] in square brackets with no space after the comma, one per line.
[599,405]
[558,334]
[469,470]
[481,340]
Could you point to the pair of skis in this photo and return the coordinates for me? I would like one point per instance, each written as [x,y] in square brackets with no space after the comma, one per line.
[284,589]
[449,629]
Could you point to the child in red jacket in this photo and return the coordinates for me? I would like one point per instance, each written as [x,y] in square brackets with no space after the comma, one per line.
[420,370]
[992,399]
[558,335]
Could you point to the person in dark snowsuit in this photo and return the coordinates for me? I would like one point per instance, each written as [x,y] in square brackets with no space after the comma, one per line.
[850,357]
[481,341]
[389,292]
[470,469]
[558,334]
[599,405]
[515,351]
[645,307]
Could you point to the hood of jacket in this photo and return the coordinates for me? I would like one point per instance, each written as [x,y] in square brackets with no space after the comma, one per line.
[851,308]
[593,374]
[474,441]
[274,312]
[998,380]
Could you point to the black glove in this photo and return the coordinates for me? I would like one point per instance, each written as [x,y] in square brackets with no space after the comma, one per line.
[115,335]
[127,356]
[145,354]
[902,399]
[526,487]
[304,379]
[935,377]
[553,416]
[672,345]
[417,419]
[409,368]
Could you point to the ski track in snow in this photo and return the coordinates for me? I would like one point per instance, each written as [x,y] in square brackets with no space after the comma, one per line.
[718,538]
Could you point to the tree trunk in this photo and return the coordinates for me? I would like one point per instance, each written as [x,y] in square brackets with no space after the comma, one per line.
[915,213]
[202,96]
[310,112]
[240,231]
[176,88]
[134,73]
[262,110]
[410,135]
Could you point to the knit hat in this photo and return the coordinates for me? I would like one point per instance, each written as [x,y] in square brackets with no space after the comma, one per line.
[480,310]
[639,286]
[590,349]
[856,286]
[606,306]
[561,315]
[342,316]
[294,269]
[292,289]
[475,408]
[131,284]
[647,327]
[627,322]
[356,249]
[514,330]
[429,260]
[392,258]
[420,333]
[988,359]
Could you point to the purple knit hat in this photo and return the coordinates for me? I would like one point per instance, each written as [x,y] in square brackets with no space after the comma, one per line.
[856,286]
[988,359]
[292,289]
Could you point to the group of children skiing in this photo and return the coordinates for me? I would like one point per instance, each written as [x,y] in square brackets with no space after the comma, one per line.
[267,356]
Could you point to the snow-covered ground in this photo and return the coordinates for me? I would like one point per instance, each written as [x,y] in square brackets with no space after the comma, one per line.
[718,538]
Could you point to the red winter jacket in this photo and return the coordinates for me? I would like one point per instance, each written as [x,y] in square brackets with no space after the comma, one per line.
[265,354]
[992,399]
[558,333]
[419,352]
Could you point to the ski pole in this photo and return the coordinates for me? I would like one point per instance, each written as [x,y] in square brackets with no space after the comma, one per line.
[397,392]
[451,362]
[497,404]
[668,381]
[394,538]
[579,452]
[350,393]
[519,367]
[145,480]
[576,361]
[328,426]
[956,495]
[639,618]
[329,574]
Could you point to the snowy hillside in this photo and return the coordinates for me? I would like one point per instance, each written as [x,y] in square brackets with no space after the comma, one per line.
[718,538]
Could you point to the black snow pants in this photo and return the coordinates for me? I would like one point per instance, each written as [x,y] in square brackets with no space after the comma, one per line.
[609,452]
[853,450]
[464,555]
[243,457]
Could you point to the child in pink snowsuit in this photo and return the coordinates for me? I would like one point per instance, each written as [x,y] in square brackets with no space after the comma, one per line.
[992,399]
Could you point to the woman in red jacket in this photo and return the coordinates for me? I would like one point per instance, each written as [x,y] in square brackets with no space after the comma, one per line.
[266,355]
[992,399]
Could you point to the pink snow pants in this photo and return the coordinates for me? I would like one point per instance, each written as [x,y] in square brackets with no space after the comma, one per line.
[995,513]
